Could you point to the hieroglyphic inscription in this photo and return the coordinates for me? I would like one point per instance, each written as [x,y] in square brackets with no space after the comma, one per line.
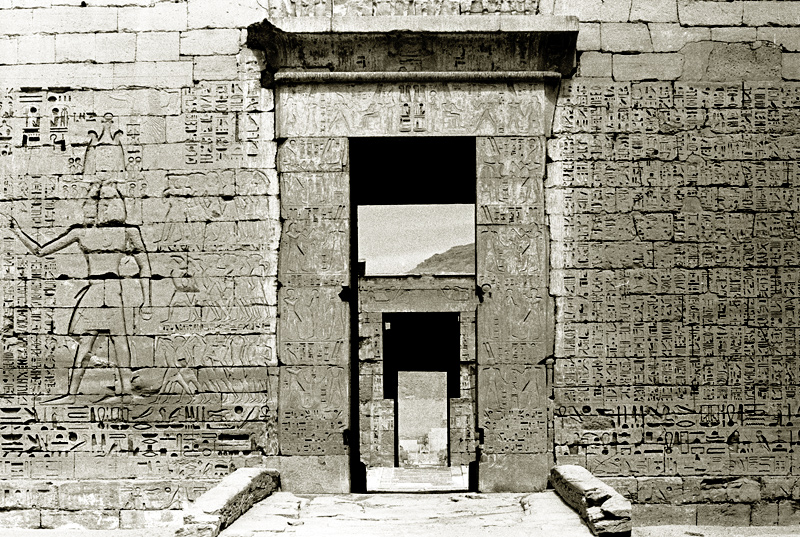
[138,300]
[314,319]
[676,338]
[420,109]
[513,320]
[313,410]
[512,408]
[223,125]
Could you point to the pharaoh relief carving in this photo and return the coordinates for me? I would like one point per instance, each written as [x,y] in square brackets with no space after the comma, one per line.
[113,250]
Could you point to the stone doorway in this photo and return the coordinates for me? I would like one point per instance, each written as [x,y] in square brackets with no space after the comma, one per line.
[422,385]
[505,309]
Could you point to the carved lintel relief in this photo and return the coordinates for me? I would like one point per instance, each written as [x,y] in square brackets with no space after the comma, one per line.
[413,109]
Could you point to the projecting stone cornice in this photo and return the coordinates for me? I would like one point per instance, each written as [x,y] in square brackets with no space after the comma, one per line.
[480,48]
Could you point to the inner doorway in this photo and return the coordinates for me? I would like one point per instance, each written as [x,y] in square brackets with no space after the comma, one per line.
[421,375]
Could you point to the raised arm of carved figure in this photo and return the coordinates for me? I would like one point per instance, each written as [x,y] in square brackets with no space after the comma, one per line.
[59,243]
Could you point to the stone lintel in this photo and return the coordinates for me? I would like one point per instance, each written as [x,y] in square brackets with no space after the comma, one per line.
[441,24]
[323,77]
[417,44]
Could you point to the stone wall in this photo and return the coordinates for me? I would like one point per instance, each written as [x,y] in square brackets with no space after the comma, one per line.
[672,193]
[140,229]
[139,226]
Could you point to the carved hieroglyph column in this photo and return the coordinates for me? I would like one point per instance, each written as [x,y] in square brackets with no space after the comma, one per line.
[313,328]
[513,318]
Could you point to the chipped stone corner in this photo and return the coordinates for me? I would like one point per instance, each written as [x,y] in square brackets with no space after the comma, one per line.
[601,507]
[220,506]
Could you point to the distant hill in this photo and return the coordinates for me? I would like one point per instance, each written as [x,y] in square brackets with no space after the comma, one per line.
[457,260]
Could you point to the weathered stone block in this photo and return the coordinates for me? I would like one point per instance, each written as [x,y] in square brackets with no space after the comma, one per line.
[625,37]
[770,14]
[17,22]
[695,60]
[164,16]
[649,66]
[588,36]
[153,74]
[87,518]
[8,50]
[692,13]
[788,512]
[730,514]
[215,68]
[664,515]
[514,472]
[654,11]
[603,509]
[36,49]
[672,37]
[627,486]
[653,490]
[157,46]
[786,38]
[733,34]
[210,42]
[115,47]
[232,14]
[777,488]
[21,518]
[136,518]
[736,490]
[764,514]
[313,474]
[743,61]
[74,47]
[594,10]
[77,19]
[76,495]
[791,66]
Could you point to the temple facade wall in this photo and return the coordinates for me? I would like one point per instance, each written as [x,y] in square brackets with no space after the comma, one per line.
[142,214]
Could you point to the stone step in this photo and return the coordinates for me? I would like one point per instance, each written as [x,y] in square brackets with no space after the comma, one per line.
[444,515]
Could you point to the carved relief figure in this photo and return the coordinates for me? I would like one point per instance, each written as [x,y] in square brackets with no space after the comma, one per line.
[100,308]
[113,251]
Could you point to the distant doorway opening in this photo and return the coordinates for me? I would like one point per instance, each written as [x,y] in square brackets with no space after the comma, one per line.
[421,372]
[421,375]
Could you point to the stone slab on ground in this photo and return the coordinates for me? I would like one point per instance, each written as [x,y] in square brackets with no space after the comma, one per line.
[604,509]
[453,514]
[227,501]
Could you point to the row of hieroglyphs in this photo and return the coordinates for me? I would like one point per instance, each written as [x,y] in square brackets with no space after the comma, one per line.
[421,109]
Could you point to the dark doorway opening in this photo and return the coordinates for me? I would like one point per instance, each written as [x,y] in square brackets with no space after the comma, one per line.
[412,171]
[420,341]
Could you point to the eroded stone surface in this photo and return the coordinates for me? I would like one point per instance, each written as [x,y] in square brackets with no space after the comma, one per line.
[466,514]
[605,511]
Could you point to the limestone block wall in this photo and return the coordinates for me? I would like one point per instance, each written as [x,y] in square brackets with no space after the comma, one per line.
[672,196]
[139,229]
